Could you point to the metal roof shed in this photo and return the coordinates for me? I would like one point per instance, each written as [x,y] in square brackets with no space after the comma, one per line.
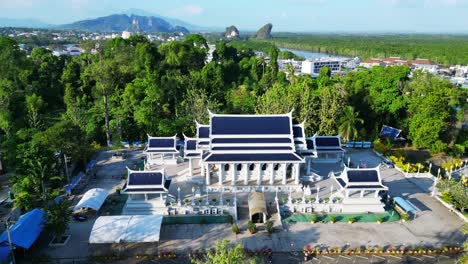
[93,198]
[126,229]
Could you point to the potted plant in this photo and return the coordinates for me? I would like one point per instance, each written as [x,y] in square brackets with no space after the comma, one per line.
[325,200]
[379,220]
[235,229]
[269,226]
[251,227]
[332,219]
[351,220]
[186,201]
[313,219]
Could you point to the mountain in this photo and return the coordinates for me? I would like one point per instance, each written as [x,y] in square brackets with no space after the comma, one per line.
[173,21]
[231,32]
[28,23]
[122,22]
[264,32]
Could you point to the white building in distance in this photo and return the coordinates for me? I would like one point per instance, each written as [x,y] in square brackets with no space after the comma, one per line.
[313,67]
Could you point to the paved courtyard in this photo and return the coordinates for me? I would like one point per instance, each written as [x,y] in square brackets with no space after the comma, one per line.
[434,224]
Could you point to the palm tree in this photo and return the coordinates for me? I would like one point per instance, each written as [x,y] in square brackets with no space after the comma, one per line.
[348,122]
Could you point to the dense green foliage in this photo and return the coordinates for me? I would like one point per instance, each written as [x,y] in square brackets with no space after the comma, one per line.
[223,254]
[55,106]
[443,49]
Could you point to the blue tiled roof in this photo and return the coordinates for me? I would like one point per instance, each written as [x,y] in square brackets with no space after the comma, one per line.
[250,140]
[310,144]
[145,178]
[252,148]
[297,131]
[191,144]
[327,142]
[203,132]
[362,176]
[260,157]
[252,125]
[161,143]
[365,187]
[341,182]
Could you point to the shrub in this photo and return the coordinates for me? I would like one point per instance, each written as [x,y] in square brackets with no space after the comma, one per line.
[379,219]
[351,219]
[251,227]
[118,189]
[381,147]
[235,229]
[230,219]
[284,199]
[269,226]
[332,219]
[313,218]
[405,217]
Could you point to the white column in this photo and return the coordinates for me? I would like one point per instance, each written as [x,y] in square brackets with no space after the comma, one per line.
[347,193]
[362,193]
[221,174]
[146,197]
[284,168]
[308,165]
[297,173]
[202,169]
[190,167]
[376,194]
[207,176]
[272,172]
[245,167]
[259,173]
[233,173]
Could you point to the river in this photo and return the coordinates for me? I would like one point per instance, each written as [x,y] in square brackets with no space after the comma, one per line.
[313,55]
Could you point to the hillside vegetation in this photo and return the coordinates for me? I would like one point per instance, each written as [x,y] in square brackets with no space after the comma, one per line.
[442,49]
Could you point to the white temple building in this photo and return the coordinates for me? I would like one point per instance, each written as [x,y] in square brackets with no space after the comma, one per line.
[146,185]
[360,189]
[158,148]
[255,152]
[326,149]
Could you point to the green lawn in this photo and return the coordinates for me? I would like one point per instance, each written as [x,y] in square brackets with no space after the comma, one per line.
[389,216]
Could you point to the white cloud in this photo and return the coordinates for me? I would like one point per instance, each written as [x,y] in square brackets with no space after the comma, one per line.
[188,10]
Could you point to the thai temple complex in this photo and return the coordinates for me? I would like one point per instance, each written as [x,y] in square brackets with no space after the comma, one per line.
[254,155]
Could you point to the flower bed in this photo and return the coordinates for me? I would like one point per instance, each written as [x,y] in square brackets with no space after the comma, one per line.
[311,251]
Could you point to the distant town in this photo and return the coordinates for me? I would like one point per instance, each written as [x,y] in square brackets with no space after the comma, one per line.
[68,43]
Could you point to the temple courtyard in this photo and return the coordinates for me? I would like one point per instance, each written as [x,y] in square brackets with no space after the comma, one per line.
[434,224]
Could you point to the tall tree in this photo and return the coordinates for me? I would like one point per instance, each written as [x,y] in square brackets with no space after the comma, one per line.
[348,121]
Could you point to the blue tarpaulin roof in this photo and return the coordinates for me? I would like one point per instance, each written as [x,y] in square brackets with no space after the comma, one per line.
[4,253]
[404,204]
[26,230]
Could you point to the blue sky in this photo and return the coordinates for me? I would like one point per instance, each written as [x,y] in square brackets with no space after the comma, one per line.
[286,15]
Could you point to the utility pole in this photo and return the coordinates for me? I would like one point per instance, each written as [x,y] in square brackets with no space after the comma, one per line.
[65,160]
[7,223]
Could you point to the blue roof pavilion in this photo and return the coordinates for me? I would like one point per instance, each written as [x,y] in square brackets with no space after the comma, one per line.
[242,148]
[158,147]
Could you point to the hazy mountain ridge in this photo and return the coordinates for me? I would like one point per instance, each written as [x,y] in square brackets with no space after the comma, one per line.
[122,22]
